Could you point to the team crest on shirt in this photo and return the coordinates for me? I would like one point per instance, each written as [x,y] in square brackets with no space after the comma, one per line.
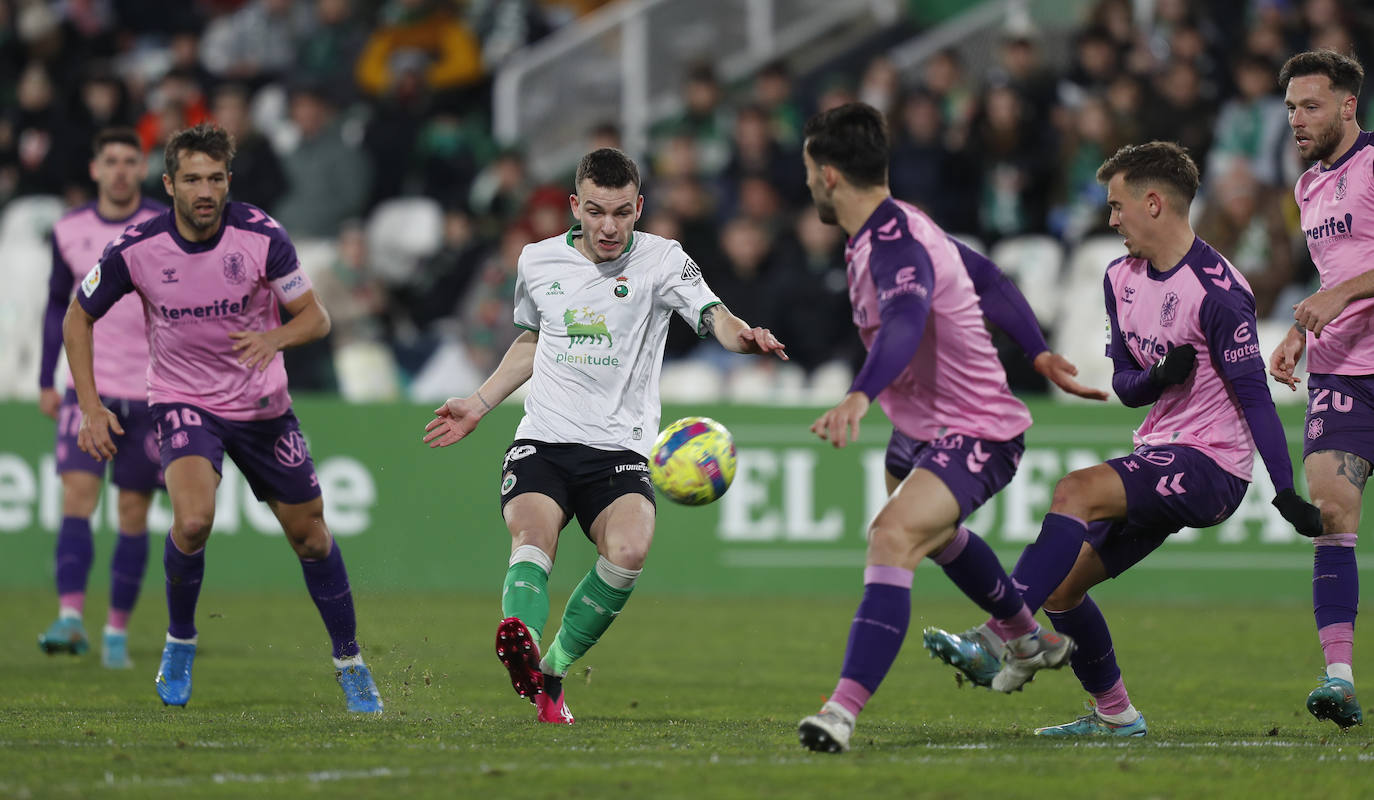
[1169,311]
[234,271]
[1340,187]
[622,287]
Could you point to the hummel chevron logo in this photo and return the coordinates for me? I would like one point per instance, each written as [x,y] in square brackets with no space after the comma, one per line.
[1219,269]
[977,458]
[889,232]
[1174,486]
[257,216]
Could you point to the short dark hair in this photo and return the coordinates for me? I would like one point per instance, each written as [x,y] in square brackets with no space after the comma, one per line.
[206,138]
[1343,71]
[608,168]
[115,136]
[1161,163]
[853,139]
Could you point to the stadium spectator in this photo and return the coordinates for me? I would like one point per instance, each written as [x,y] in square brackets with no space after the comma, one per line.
[704,119]
[34,146]
[258,174]
[1245,219]
[356,299]
[1252,127]
[327,178]
[327,55]
[581,449]
[1095,64]
[1019,67]
[218,385]
[431,30]
[256,43]
[1178,111]
[810,297]
[773,93]
[1013,177]
[500,190]
[178,101]
[945,78]
[1078,199]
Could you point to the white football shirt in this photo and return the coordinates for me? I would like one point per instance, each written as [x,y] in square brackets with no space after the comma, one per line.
[601,331]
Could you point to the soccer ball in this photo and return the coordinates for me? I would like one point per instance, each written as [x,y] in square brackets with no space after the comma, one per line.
[693,461]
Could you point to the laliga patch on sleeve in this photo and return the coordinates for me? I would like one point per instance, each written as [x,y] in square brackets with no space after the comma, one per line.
[91,281]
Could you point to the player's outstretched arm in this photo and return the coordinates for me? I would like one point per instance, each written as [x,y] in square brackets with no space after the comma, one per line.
[735,335]
[309,321]
[1284,360]
[1061,372]
[458,416]
[97,421]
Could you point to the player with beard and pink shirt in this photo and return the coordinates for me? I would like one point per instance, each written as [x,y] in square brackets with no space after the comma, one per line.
[212,275]
[121,339]
[1181,336]
[1335,327]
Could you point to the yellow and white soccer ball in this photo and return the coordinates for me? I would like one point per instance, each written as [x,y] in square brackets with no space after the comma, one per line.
[693,461]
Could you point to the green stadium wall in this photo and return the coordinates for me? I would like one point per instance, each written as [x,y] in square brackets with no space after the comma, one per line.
[408,517]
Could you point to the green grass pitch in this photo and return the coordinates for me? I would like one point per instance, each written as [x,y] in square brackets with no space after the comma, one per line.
[690,697]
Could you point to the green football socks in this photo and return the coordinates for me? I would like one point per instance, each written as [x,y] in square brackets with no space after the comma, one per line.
[525,593]
[591,609]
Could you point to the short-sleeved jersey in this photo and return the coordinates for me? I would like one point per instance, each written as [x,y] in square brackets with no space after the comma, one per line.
[194,295]
[1205,302]
[1336,207]
[601,331]
[954,383]
[121,337]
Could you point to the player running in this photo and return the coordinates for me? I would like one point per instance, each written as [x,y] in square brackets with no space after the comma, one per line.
[595,306]
[1334,327]
[919,300]
[118,168]
[211,275]
[1182,337]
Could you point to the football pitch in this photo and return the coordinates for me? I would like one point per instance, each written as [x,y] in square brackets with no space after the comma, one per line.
[686,697]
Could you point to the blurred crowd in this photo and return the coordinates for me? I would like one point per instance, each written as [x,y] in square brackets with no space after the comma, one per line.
[341,107]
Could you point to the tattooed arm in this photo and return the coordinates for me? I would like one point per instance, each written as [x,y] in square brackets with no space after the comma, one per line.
[735,335]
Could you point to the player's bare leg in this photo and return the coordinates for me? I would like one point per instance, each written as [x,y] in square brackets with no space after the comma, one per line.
[1337,480]
[1074,614]
[534,521]
[75,552]
[191,484]
[127,565]
[622,532]
[327,580]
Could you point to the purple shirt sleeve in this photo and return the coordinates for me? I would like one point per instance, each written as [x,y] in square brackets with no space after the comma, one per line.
[905,279]
[59,296]
[107,281]
[1228,320]
[1002,302]
[281,256]
[1131,383]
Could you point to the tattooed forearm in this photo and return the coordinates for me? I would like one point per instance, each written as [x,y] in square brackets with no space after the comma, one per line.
[708,317]
[1354,469]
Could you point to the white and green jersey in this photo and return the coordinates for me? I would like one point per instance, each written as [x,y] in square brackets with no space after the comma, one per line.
[601,333]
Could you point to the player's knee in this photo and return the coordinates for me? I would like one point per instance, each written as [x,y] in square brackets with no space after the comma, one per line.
[309,537]
[194,528]
[1070,494]
[1064,598]
[630,555]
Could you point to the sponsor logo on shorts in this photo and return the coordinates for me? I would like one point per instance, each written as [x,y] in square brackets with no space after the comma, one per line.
[1314,428]
[517,453]
[507,483]
[1161,458]
[290,449]
[180,440]
[619,468]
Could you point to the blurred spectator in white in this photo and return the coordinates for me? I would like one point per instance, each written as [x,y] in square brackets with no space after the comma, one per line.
[881,85]
[258,175]
[1252,126]
[256,43]
[430,29]
[1244,220]
[327,179]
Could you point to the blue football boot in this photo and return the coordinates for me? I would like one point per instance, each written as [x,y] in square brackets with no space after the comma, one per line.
[174,673]
[1335,700]
[976,652]
[66,635]
[1093,725]
[360,691]
[114,650]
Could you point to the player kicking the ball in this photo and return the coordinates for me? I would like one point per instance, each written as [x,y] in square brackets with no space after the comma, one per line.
[919,300]
[1182,327]
[595,306]
[211,275]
